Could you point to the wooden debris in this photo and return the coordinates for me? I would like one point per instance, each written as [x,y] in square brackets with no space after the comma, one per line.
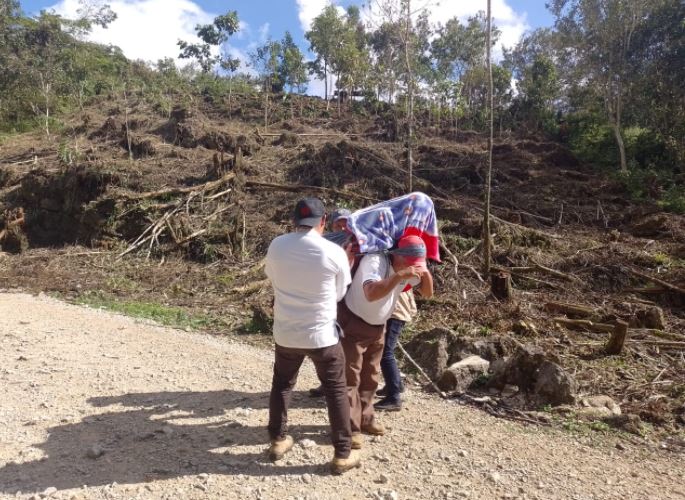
[293,188]
[618,338]
[570,310]
[584,324]
[538,268]
[453,258]
[665,284]
[173,191]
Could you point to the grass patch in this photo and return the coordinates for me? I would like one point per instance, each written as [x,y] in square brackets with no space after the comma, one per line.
[165,315]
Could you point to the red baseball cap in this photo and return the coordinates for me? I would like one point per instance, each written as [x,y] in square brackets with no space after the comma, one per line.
[413,249]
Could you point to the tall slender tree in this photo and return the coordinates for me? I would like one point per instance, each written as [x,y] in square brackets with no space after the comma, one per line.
[487,257]
[324,39]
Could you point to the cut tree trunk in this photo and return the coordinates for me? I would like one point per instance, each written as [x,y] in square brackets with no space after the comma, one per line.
[618,338]
[500,285]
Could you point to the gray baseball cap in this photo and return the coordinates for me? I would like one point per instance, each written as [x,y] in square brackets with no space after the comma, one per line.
[340,213]
[309,212]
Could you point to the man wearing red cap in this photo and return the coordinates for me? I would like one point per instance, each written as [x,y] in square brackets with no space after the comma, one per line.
[369,302]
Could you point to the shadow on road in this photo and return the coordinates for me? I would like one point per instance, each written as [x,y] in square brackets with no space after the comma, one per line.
[166,435]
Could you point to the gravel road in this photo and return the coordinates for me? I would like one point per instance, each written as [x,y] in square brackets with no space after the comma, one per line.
[97,405]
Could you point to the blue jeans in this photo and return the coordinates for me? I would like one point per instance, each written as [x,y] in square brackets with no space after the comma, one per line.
[391,373]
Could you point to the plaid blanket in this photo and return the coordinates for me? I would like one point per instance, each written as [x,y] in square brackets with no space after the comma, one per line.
[380,226]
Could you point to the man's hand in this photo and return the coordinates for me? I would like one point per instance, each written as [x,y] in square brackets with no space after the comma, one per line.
[425,288]
[410,272]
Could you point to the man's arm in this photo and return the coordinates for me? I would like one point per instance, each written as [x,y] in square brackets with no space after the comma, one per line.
[343,278]
[426,286]
[376,290]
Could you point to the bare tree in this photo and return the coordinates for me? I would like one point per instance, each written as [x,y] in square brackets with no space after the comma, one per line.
[487,257]
[410,92]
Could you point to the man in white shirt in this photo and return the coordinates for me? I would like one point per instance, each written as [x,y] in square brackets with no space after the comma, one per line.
[309,276]
[370,301]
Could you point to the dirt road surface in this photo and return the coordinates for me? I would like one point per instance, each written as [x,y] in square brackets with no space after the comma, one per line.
[97,405]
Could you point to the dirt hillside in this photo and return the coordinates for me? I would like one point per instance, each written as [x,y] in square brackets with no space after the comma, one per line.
[101,406]
[170,212]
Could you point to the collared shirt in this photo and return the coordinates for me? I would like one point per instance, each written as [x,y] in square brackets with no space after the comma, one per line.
[309,276]
[374,267]
[405,309]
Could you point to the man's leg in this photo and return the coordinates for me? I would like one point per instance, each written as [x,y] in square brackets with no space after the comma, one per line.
[368,384]
[353,366]
[330,367]
[286,367]
[391,373]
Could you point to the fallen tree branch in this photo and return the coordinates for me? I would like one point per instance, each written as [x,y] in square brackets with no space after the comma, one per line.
[207,186]
[570,309]
[320,134]
[540,268]
[292,188]
[664,284]
[519,226]
[584,324]
[453,258]
[192,236]
[251,287]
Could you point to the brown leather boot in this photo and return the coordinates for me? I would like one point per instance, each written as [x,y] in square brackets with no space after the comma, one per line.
[374,428]
[357,441]
[341,465]
[279,447]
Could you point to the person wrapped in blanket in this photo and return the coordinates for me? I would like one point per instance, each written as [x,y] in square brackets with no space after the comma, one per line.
[394,239]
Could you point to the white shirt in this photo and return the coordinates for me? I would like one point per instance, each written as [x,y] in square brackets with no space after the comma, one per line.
[374,267]
[309,275]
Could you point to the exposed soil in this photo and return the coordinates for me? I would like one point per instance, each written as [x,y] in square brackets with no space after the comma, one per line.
[99,406]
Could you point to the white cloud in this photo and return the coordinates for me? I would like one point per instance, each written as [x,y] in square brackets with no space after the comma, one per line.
[308,10]
[264,32]
[146,29]
[506,19]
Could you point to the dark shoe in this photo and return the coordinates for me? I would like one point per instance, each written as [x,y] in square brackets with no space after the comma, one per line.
[387,405]
[384,391]
[316,392]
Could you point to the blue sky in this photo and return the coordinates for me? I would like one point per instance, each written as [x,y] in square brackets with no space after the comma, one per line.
[149,29]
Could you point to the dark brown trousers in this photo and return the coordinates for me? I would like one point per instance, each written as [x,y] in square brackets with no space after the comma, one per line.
[363,346]
[330,367]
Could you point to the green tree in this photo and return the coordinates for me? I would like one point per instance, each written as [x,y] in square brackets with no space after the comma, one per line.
[324,40]
[265,61]
[538,87]
[292,68]
[213,36]
[458,54]
[598,36]
[656,65]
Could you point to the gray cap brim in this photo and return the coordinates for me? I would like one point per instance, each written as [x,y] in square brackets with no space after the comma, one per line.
[308,221]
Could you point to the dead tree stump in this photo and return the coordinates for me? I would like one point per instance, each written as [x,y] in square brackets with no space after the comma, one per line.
[500,285]
[238,162]
[618,338]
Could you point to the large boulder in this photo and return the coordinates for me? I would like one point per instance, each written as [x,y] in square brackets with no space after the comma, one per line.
[460,375]
[554,385]
[490,348]
[430,350]
[533,372]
